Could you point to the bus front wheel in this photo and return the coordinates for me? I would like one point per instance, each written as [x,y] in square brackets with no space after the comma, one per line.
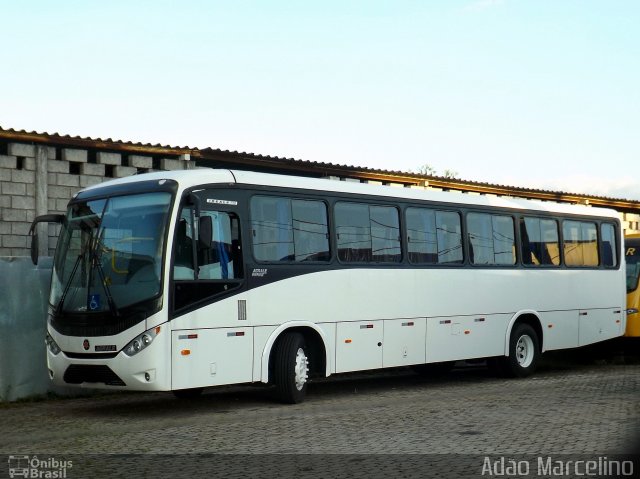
[524,352]
[291,368]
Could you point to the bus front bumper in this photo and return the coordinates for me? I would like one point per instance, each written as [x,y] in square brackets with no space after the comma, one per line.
[138,373]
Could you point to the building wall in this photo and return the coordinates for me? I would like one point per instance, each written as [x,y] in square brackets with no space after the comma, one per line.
[40,179]
[631,223]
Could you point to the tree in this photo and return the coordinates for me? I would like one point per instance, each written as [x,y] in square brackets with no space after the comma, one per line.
[429,170]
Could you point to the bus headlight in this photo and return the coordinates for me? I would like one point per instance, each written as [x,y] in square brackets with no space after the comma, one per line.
[140,342]
[51,345]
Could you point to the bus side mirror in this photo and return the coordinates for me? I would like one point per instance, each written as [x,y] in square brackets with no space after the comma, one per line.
[34,249]
[205,231]
[34,234]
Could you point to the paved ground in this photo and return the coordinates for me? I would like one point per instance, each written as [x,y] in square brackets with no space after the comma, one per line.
[581,409]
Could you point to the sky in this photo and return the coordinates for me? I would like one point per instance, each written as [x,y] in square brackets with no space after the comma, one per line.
[541,94]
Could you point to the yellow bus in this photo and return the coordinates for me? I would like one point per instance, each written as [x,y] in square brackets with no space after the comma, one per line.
[632,255]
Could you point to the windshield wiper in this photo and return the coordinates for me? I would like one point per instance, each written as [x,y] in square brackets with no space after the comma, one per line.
[67,287]
[97,263]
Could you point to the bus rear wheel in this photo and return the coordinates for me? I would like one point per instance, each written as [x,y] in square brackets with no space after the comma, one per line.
[524,352]
[291,368]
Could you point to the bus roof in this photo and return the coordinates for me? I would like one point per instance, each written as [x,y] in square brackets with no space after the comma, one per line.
[203,176]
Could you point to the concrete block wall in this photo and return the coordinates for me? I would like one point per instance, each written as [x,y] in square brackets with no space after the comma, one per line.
[631,223]
[17,199]
[41,179]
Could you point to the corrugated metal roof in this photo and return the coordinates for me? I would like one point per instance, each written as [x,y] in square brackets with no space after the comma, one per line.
[410,177]
[57,138]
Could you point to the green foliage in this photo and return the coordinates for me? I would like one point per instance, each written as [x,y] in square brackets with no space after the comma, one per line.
[429,170]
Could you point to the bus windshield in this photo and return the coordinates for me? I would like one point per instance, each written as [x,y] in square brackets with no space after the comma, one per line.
[109,254]
[632,258]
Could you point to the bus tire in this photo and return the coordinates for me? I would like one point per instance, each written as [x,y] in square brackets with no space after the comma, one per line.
[524,352]
[291,368]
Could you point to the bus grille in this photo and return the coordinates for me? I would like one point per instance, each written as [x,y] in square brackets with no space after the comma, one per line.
[90,355]
[84,373]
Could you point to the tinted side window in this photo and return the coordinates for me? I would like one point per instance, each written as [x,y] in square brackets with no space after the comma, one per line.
[609,245]
[540,241]
[272,228]
[491,239]
[433,236]
[385,234]
[289,230]
[310,230]
[353,231]
[367,233]
[580,243]
[421,235]
[449,232]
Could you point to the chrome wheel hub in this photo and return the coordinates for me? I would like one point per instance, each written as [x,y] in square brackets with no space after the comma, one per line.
[524,351]
[301,369]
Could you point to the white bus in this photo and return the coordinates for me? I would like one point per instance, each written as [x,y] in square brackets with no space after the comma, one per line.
[190,279]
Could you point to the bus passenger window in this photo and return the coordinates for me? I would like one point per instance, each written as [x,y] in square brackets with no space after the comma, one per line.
[421,235]
[434,237]
[353,229]
[272,227]
[580,243]
[367,233]
[491,239]
[284,229]
[609,249]
[449,233]
[540,242]
[310,230]
[385,234]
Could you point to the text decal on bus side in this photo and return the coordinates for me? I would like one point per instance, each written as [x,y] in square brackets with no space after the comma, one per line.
[221,202]
[259,272]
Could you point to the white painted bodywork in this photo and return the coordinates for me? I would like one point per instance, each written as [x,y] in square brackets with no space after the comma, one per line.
[366,318]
